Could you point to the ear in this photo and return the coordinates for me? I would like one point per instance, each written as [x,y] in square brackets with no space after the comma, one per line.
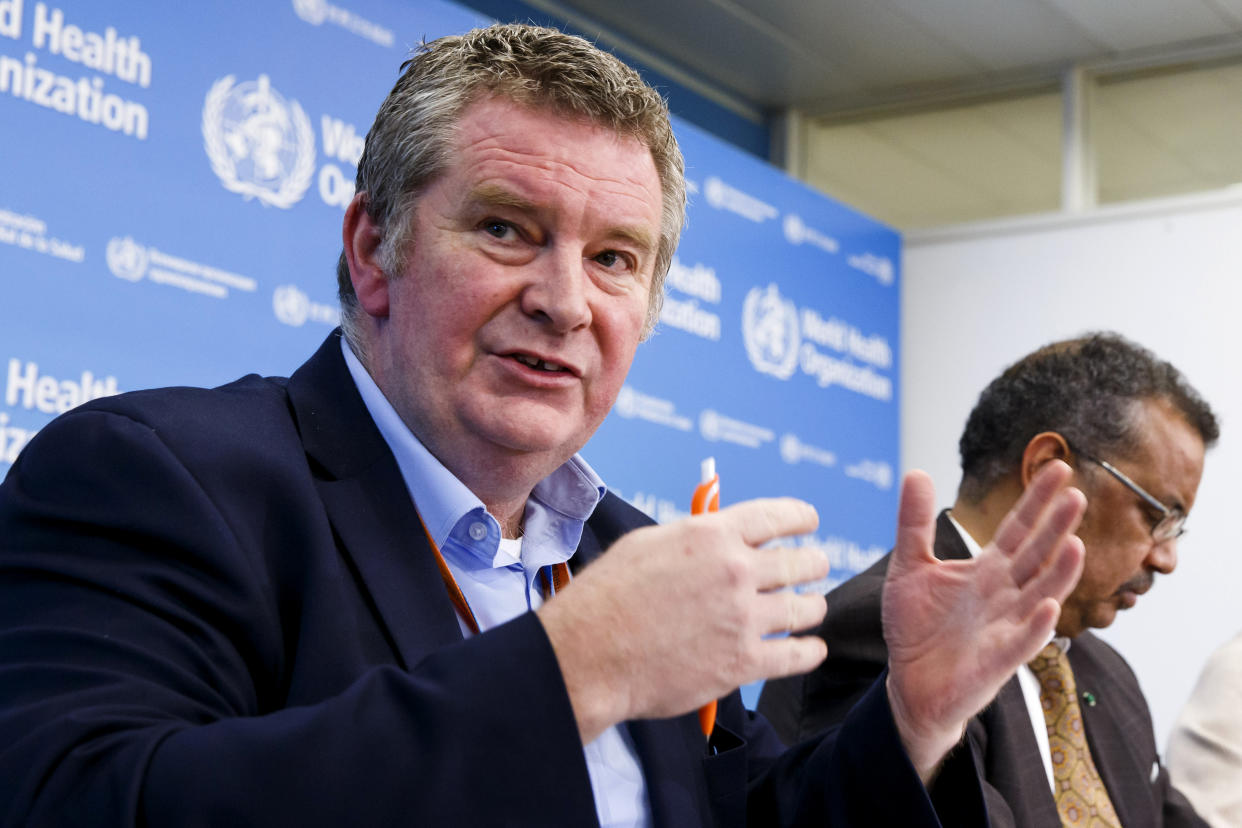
[1043,447]
[361,237]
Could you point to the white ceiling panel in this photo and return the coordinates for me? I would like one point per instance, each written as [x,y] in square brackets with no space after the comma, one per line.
[877,45]
[758,63]
[846,54]
[1143,24]
[1004,36]
[1230,9]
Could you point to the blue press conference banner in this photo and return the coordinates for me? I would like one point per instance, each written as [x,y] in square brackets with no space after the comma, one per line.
[170,208]
[776,354]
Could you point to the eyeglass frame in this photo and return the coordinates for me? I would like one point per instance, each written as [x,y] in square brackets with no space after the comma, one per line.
[1173,518]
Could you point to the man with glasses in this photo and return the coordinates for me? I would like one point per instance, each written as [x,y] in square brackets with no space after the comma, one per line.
[1135,433]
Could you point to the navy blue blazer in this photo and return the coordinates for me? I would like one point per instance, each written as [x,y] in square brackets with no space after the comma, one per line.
[217,607]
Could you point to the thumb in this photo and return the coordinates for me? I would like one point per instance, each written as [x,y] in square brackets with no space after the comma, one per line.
[916,521]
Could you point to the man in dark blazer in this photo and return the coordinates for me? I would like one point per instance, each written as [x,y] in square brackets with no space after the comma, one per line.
[236,607]
[1092,401]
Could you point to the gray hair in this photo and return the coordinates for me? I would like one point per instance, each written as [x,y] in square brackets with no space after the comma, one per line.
[1087,390]
[410,143]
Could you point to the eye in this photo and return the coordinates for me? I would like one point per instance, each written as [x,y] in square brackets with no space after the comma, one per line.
[496,228]
[1154,517]
[613,259]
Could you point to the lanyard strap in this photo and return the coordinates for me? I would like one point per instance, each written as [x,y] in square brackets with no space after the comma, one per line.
[553,578]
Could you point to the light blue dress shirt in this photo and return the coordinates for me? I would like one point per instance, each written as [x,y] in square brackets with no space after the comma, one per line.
[500,578]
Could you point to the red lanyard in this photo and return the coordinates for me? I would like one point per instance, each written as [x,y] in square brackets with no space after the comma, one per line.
[552,584]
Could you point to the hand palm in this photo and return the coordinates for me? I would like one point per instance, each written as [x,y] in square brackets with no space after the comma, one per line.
[957,630]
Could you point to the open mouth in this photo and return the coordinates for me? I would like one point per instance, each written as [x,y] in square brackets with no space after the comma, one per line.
[540,364]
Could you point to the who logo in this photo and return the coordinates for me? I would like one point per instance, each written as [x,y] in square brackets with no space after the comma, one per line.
[294,308]
[126,259]
[260,145]
[770,331]
[291,305]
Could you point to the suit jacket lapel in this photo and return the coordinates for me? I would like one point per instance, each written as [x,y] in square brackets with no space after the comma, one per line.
[671,752]
[1110,747]
[1012,762]
[948,544]
[366,500]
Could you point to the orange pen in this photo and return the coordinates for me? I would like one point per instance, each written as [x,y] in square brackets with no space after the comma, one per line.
[707,499]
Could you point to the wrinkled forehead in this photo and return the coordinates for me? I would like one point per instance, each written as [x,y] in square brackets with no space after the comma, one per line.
[496,136]
[541,105]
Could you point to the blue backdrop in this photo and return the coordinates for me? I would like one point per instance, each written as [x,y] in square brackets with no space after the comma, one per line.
[170,210]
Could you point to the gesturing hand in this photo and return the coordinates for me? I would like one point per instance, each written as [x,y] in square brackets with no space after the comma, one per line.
[957,630]
[673,616]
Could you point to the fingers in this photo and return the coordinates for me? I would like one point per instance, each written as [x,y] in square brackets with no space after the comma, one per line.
[1042,625]
[763,520]
[1019,644]
[789,566]
[1058,580]
[1023,517]
[916,519]
[1054,580]
[788,611]
[759,521]
[1045,558]
[1057,522]
[791,656]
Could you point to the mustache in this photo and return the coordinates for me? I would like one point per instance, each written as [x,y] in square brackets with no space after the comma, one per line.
[1139,584]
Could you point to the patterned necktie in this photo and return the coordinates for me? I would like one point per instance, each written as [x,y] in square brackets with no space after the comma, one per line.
[1080,794]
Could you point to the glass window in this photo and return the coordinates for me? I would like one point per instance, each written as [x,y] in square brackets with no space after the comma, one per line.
[944,166]
[1168,131]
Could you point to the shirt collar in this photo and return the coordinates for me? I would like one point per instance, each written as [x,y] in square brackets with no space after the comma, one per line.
[569,495]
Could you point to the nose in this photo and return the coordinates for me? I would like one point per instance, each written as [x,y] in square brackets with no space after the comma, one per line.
[1163,556]
[557,292]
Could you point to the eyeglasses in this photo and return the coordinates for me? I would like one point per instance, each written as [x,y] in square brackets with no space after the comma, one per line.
[1172,523]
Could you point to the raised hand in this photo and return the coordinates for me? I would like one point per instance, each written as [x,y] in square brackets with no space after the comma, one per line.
[957,630]
[674,616]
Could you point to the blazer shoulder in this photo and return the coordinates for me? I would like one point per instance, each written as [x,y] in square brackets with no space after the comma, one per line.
[187,406]
[1101,670]
[1093,654]
[227,438]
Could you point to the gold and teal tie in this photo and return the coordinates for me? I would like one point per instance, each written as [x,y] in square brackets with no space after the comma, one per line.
[1080,794]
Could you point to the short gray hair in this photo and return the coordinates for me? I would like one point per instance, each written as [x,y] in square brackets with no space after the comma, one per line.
[410,143]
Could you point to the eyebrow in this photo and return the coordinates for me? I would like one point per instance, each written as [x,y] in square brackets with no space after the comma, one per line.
[637,236]
[493,195]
